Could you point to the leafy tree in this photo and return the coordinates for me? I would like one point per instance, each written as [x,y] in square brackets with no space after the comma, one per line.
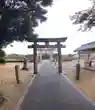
[18,18]
[86,18]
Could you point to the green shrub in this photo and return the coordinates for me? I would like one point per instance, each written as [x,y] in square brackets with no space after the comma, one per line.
[2,57]
[2,61]
[2,53]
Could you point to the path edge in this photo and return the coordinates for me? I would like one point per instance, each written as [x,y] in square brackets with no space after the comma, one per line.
[82,93]
[18,105]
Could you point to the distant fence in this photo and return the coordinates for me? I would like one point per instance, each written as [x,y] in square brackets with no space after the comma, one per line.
[16,60]
[12,61]
[69,59]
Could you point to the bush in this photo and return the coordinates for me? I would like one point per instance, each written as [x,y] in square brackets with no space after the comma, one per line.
[2,61]
[2,57]
[2,53]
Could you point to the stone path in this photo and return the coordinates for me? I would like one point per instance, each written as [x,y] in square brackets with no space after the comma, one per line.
[51,91]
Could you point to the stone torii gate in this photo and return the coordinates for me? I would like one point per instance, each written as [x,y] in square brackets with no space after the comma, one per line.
[46,41]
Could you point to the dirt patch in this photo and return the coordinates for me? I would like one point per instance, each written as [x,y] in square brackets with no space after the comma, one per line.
[11,91]
[86,82]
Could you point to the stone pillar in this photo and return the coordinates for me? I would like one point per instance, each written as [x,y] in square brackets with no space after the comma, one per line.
[51,56]
[17,72]
[40,57]
[59,58]
[35,57]
[77,71]
[47,44]
[25,65]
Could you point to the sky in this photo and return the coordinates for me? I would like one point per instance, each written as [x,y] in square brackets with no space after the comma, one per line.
[59,25]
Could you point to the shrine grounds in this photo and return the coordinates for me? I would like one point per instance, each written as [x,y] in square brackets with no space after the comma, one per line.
[13,92]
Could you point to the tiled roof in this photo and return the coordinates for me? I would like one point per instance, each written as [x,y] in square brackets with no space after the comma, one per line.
[87,46]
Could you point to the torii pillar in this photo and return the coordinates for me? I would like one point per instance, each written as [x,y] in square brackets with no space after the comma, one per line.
[59,58]
[35,57]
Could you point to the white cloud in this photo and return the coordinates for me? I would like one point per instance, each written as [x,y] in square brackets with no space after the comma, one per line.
[19,48]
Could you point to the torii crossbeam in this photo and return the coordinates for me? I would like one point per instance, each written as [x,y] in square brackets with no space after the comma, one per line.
[46,46]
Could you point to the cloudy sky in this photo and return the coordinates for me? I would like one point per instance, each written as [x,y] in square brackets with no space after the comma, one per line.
[59,25]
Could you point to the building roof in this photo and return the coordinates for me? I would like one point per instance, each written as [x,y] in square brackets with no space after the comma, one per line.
[87,46]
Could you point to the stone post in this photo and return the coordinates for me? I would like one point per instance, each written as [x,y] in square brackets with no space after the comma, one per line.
[77,71]
[25,64]
[17,71]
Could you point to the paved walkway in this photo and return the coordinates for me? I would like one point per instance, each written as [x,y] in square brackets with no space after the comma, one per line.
[50,91]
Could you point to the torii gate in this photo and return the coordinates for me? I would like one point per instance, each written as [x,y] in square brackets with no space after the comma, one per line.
[47,40]
[43,51]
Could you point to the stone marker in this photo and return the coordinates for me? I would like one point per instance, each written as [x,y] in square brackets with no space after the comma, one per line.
[77,71]
[90,63]
[25,64]
[17,72]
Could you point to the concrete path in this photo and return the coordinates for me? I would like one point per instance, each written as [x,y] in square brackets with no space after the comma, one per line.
[51,91]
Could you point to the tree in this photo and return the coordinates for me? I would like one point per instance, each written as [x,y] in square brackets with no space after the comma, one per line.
[86,18]
[18,18]
[2,56]
[2,53]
